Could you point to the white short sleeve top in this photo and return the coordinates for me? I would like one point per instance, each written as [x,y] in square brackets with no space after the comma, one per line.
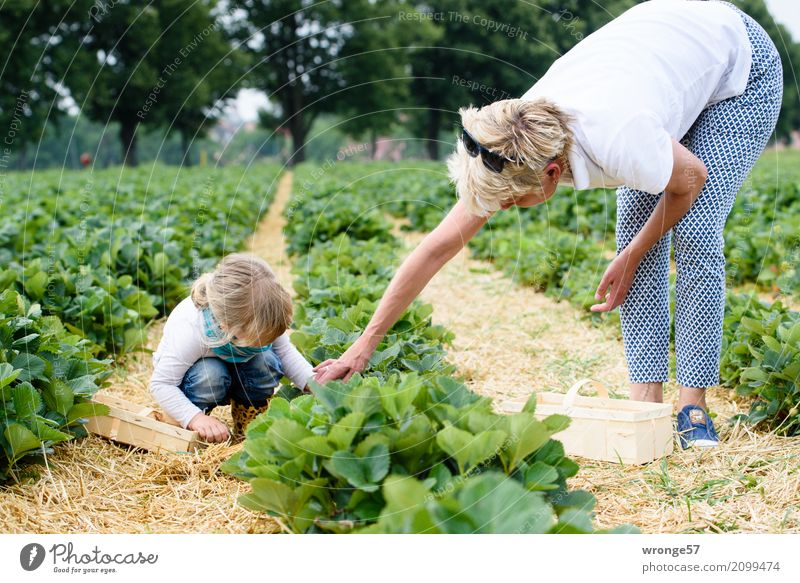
[642,80]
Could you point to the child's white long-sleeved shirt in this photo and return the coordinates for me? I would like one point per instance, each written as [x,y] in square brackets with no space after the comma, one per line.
[183,344]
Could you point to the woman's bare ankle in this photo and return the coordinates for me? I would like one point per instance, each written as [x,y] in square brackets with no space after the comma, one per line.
[650,392]
[692,396]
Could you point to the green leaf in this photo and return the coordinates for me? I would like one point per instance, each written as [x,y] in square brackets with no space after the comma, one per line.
[403,493]
[791,335]
[573,521]
[285,436]
[556,423]
[36,286]
[362,472]
[525,435]
[31,366]
[397,400]
[342,433]
[316,445]
[494,503]
[754,374]
[467,449]
[27,401]
[86,409]
[541,476]
[58,396]
[772,343]
[364,398]
[8,374]
[20,440]
[269,496]
[530,404]
[752,325]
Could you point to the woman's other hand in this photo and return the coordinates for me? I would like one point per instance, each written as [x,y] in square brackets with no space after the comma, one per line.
[619,277]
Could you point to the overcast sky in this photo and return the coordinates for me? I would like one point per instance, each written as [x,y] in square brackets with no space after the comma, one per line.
[786,12]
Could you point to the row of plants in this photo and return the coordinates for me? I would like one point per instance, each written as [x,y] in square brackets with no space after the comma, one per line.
[87,260]
[106,251]
[563,248]
[404,447]
[762,234]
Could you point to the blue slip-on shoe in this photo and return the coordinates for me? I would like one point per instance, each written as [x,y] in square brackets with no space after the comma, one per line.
[695,428]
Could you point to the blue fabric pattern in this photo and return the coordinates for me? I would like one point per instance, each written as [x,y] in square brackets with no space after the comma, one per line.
[228,352]
[728,137]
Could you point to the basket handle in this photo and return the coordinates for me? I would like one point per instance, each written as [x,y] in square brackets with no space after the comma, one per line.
[569,398]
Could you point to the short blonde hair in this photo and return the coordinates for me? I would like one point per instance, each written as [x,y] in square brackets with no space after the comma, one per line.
[534,132]
[246,299]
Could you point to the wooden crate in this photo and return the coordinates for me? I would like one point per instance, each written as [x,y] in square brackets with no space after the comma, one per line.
[144,427]
[605,429]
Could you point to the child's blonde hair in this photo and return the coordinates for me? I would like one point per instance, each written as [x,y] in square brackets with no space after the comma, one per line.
[246,299]
[534,132]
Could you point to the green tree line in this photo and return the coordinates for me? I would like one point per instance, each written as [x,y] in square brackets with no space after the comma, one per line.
[81,68]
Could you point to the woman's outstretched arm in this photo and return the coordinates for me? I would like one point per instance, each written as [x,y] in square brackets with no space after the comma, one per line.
[441,245]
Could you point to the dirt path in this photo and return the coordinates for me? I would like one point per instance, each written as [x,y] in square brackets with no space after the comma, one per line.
[268,241]
[95,486]
[511,341]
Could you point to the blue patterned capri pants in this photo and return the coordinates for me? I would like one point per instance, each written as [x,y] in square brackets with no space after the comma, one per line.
[728,137]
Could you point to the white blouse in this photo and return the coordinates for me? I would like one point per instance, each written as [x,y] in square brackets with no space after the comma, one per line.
[642,80]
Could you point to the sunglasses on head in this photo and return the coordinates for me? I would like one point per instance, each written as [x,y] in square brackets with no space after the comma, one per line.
[492,160]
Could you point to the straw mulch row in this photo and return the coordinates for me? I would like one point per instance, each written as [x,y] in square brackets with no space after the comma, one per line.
[511,340]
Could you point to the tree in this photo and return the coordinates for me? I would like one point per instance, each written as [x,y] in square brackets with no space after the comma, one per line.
[489,51]
[214,70]
[789,51]
[300,51]
[28,74]
[378,80]
[167,63]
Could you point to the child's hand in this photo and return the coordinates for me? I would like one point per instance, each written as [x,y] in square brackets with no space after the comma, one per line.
[209,428]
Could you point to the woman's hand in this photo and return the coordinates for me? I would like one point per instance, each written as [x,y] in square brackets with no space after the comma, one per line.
[441,245]
[619,277]
[353,360]
[210,429]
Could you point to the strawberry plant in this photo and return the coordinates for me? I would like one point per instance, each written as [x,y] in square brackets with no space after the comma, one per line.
[338,289]
[562,249]
[761,358]
[348,456]
[47,377]
[107,253]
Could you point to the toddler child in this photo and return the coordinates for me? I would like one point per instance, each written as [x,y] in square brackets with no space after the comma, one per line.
[227,343]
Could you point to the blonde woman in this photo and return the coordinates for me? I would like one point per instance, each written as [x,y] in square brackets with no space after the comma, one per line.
[227,343]
[672,102]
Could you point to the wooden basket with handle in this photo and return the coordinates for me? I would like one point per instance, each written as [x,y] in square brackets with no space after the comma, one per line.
[634,432]
[135,424]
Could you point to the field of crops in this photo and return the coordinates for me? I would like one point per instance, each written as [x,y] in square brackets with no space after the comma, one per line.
[88,261]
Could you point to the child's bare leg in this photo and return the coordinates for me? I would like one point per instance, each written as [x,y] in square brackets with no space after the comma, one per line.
[692,396]
[651,392]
